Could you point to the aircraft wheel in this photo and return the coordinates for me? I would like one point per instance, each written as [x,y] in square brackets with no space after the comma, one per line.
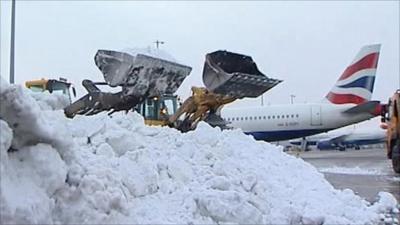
[396,156]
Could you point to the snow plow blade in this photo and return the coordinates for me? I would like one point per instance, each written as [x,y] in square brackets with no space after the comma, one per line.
[236,75]
[140,74]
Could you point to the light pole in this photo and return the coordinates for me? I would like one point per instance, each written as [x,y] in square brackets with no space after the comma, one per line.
[158,43]
[12,42]
[291,98]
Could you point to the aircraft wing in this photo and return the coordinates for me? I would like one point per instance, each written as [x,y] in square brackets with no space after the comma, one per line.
[335,139]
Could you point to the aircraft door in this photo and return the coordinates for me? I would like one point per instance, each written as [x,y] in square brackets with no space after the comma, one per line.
[316,119]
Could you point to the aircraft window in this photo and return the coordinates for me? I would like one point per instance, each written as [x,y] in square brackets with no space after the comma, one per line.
[269,117]
[237,118]
[287,116]
[273,117]
[283,117]
[250,118]
[241,118]
[278,117]
[260,118]
[245,118]
[292,116]
[255,118]
[264,117]
[297,115]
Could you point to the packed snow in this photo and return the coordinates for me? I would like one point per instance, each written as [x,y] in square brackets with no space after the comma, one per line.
[114,170]
[396,179]
[352,170]
[153,52]
[47,101]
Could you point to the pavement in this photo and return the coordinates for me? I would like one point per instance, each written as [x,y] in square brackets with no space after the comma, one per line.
[365,171]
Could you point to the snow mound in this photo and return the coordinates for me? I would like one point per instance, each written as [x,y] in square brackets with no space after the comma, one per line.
[47,101]
[28,120]
[116,170]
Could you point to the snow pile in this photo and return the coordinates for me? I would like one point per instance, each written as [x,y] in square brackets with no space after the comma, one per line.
[28,120]
[117,170]
[30,176]
[48,101]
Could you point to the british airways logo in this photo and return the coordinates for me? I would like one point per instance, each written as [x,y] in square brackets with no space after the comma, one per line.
[356,83]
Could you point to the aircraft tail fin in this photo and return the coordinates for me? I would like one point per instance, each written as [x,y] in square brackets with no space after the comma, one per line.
[356,83]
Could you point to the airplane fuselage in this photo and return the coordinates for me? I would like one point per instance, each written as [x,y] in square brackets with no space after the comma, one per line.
[283,122]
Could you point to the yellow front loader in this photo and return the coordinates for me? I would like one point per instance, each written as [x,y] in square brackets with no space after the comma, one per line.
[52,85]
[391,123]
[227,76]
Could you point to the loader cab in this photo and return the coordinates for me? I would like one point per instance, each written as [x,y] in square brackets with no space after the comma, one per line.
[60,86]
[157,110]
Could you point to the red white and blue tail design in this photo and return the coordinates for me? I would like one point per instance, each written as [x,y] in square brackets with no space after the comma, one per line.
[356,84]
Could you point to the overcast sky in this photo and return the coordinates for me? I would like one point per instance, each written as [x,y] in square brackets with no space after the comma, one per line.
[306,44]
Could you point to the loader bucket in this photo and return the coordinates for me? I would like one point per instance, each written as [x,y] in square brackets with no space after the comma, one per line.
[235,75]
[140,74]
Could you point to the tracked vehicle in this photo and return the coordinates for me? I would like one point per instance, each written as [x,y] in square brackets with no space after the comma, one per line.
[148,85]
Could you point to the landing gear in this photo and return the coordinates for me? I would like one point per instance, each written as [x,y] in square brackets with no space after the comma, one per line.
[341,148]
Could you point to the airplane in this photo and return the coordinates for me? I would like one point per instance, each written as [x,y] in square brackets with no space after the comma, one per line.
[342,140]
[354,140]
[348,102]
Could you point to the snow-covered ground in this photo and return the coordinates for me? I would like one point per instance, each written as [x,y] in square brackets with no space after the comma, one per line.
[353,170]
[103,169]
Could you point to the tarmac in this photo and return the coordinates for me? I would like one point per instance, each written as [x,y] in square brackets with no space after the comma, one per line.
[365,171]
